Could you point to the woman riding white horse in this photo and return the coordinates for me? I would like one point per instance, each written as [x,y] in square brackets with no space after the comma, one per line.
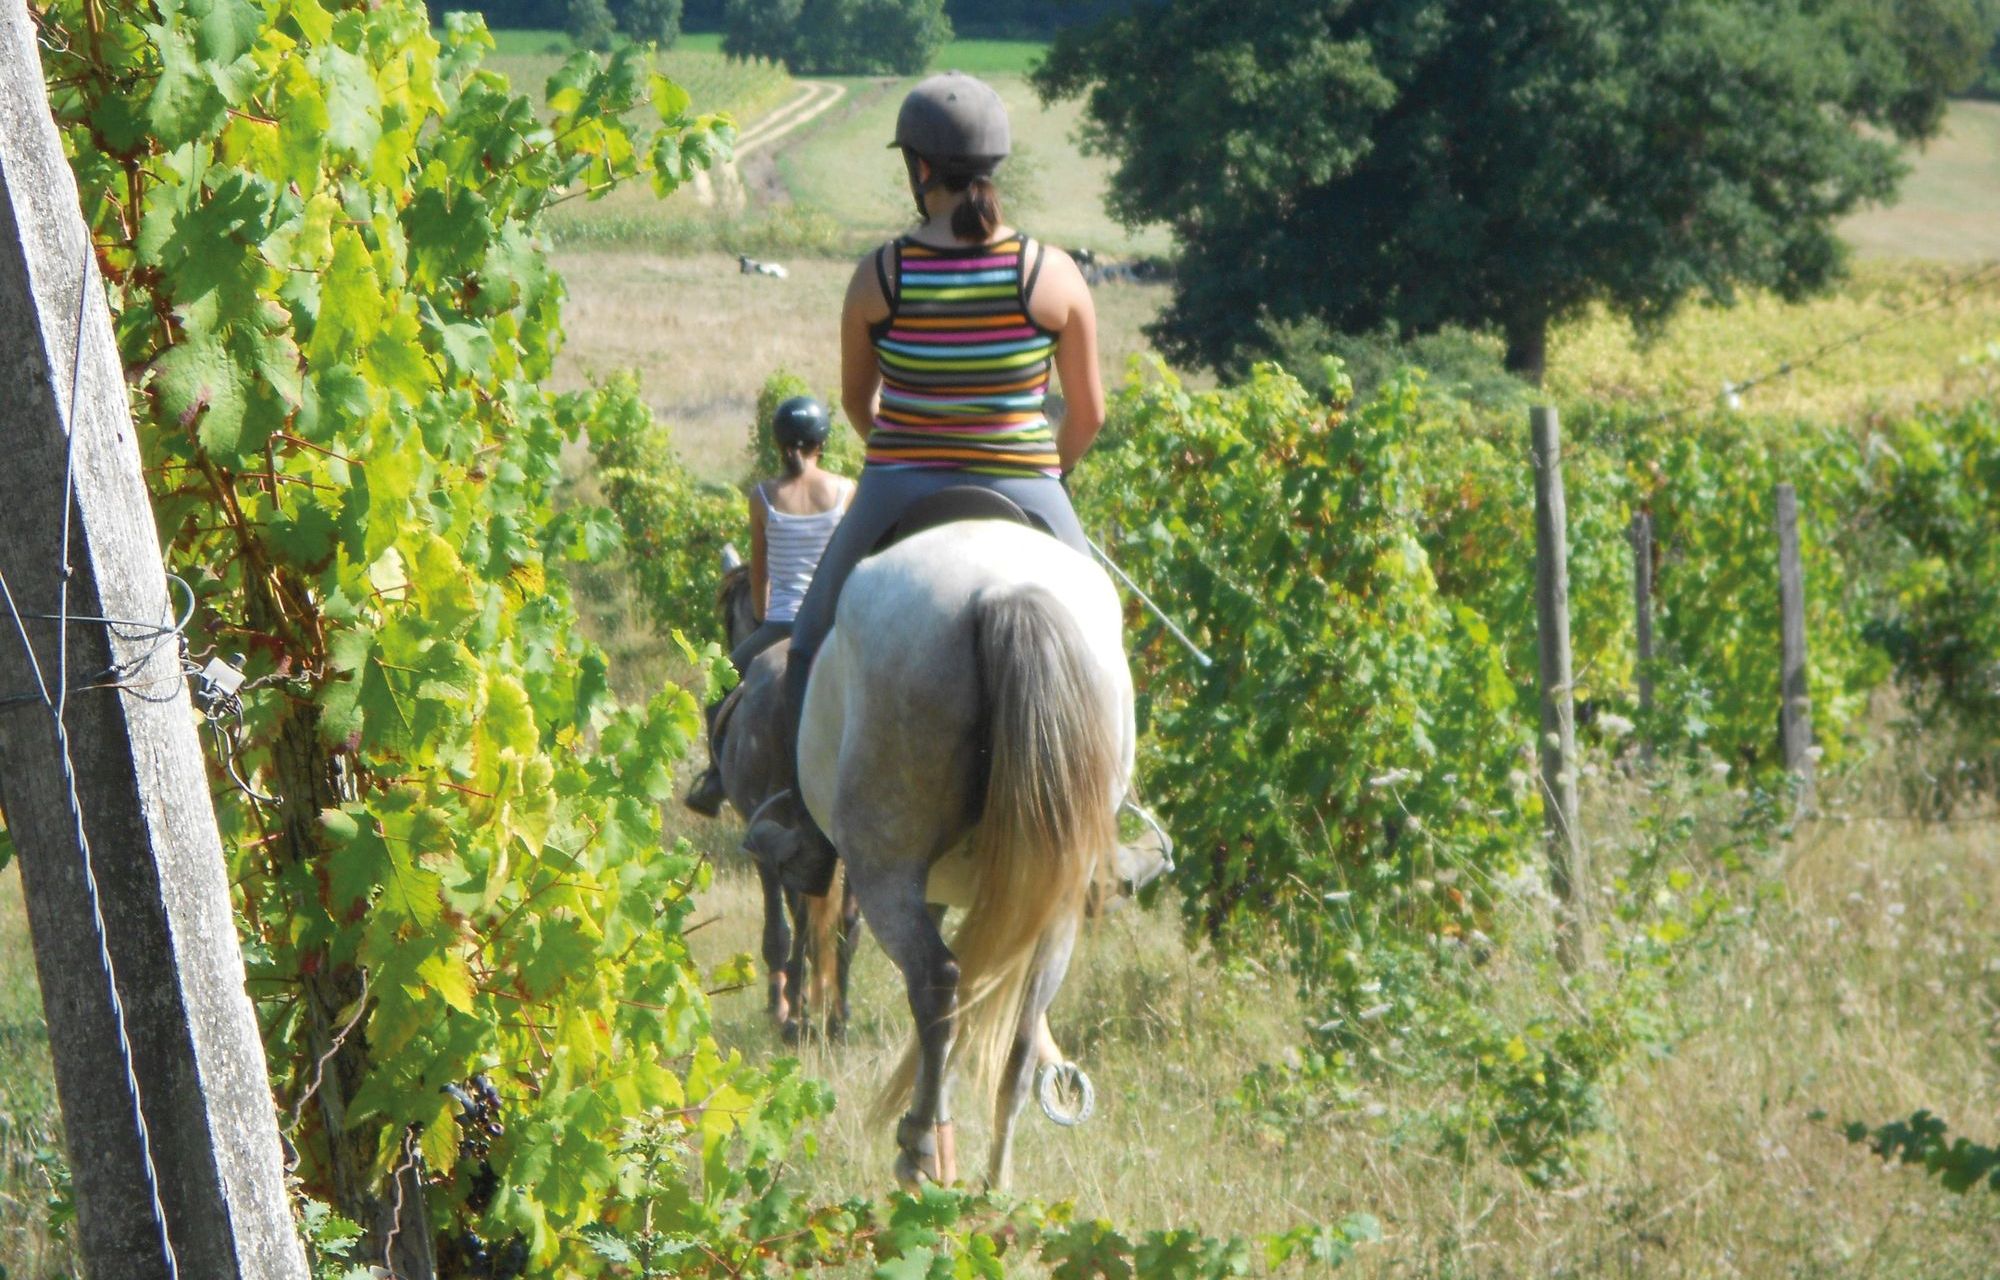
[968,736]
[947,340]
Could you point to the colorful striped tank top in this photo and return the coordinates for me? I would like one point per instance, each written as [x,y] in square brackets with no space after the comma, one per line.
[965,368]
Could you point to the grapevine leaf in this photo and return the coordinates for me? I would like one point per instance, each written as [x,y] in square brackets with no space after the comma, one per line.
[201,388]
[185,103]
[225,30]
[411,893]
[439,1141]
[913,1265]
[449,977]
[353,106]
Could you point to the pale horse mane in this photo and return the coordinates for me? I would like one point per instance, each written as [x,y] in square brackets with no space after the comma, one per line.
[971,713]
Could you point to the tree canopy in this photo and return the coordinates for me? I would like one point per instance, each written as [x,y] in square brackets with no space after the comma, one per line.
[838,37]
[1413,164]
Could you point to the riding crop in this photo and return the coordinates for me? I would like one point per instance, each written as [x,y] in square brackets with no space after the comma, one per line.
[1200,658]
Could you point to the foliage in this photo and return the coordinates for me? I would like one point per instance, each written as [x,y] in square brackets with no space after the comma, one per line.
[656,22]
[1456,364]
[318,232]
[1022,19]
[672,526]
[838,37]
[1416,164]
[1357,734]
[590,24]
[1960,1165]
[951,1234]
[1937,478]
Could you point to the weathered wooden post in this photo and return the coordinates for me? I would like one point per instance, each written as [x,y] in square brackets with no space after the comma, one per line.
[167,1108]
[1568,870]
[1641,536]
[1795,706]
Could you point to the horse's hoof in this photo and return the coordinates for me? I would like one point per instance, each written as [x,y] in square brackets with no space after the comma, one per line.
[788,1031]
[1065,1093]
[909,1176]
[836,1030]
[923,1153]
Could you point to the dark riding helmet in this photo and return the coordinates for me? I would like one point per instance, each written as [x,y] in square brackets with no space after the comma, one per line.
[800,423]
[958,124]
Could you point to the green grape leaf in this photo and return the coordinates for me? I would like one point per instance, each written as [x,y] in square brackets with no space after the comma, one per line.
[184,103]
[200,388]
[225,30]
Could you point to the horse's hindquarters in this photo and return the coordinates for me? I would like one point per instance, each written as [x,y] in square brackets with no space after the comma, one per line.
[967,738]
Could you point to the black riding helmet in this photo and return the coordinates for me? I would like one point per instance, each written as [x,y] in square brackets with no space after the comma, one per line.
[958,124]
[800,423]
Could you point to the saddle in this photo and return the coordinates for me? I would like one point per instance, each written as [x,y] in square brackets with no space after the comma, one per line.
[949,506]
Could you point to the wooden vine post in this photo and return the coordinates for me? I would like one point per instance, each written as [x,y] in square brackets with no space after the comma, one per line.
[1568,866]
[1795,699]
[167,1109]
[1641,535]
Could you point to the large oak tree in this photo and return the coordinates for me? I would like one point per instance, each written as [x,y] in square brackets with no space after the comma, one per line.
[1421,163]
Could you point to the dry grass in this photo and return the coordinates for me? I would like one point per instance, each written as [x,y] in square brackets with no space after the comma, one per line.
[1865,986]
[840,166]
[1949,208]
[30,1125]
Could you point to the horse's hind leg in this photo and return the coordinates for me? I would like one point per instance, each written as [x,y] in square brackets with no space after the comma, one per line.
[777,947]
[850,919]
[1031,1044]
[791,1025]
[893,901]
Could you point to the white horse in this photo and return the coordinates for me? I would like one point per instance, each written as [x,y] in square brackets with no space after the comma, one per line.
[967,740]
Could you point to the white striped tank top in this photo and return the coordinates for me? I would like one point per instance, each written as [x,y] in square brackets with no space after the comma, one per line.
[792,548]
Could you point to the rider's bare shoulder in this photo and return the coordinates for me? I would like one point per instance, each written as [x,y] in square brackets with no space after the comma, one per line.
[1059,288]
[867,294]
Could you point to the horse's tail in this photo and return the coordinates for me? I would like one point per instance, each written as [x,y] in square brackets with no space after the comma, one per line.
[823,933]
[1048,826]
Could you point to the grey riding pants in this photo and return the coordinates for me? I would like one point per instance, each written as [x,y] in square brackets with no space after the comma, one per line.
[881,499]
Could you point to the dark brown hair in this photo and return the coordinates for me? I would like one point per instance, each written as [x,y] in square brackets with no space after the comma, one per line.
[978,215]
[795,456]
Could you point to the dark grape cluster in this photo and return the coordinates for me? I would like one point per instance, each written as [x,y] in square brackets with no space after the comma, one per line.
[478,1124]
[466,1255]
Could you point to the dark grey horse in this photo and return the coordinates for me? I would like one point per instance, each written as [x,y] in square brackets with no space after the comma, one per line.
[747,737]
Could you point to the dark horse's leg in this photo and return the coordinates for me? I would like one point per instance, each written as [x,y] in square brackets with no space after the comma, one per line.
[777,947]
[850,920]
[893,900]
[795,968]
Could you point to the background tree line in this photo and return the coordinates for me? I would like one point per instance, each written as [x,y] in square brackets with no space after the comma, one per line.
[826,36]
[1405,167]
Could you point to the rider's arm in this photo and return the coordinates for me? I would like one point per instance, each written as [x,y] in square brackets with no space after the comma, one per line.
[1061,302]
[760,568]
[860,374]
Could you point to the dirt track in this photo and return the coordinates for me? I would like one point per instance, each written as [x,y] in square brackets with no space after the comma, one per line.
[814,99]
